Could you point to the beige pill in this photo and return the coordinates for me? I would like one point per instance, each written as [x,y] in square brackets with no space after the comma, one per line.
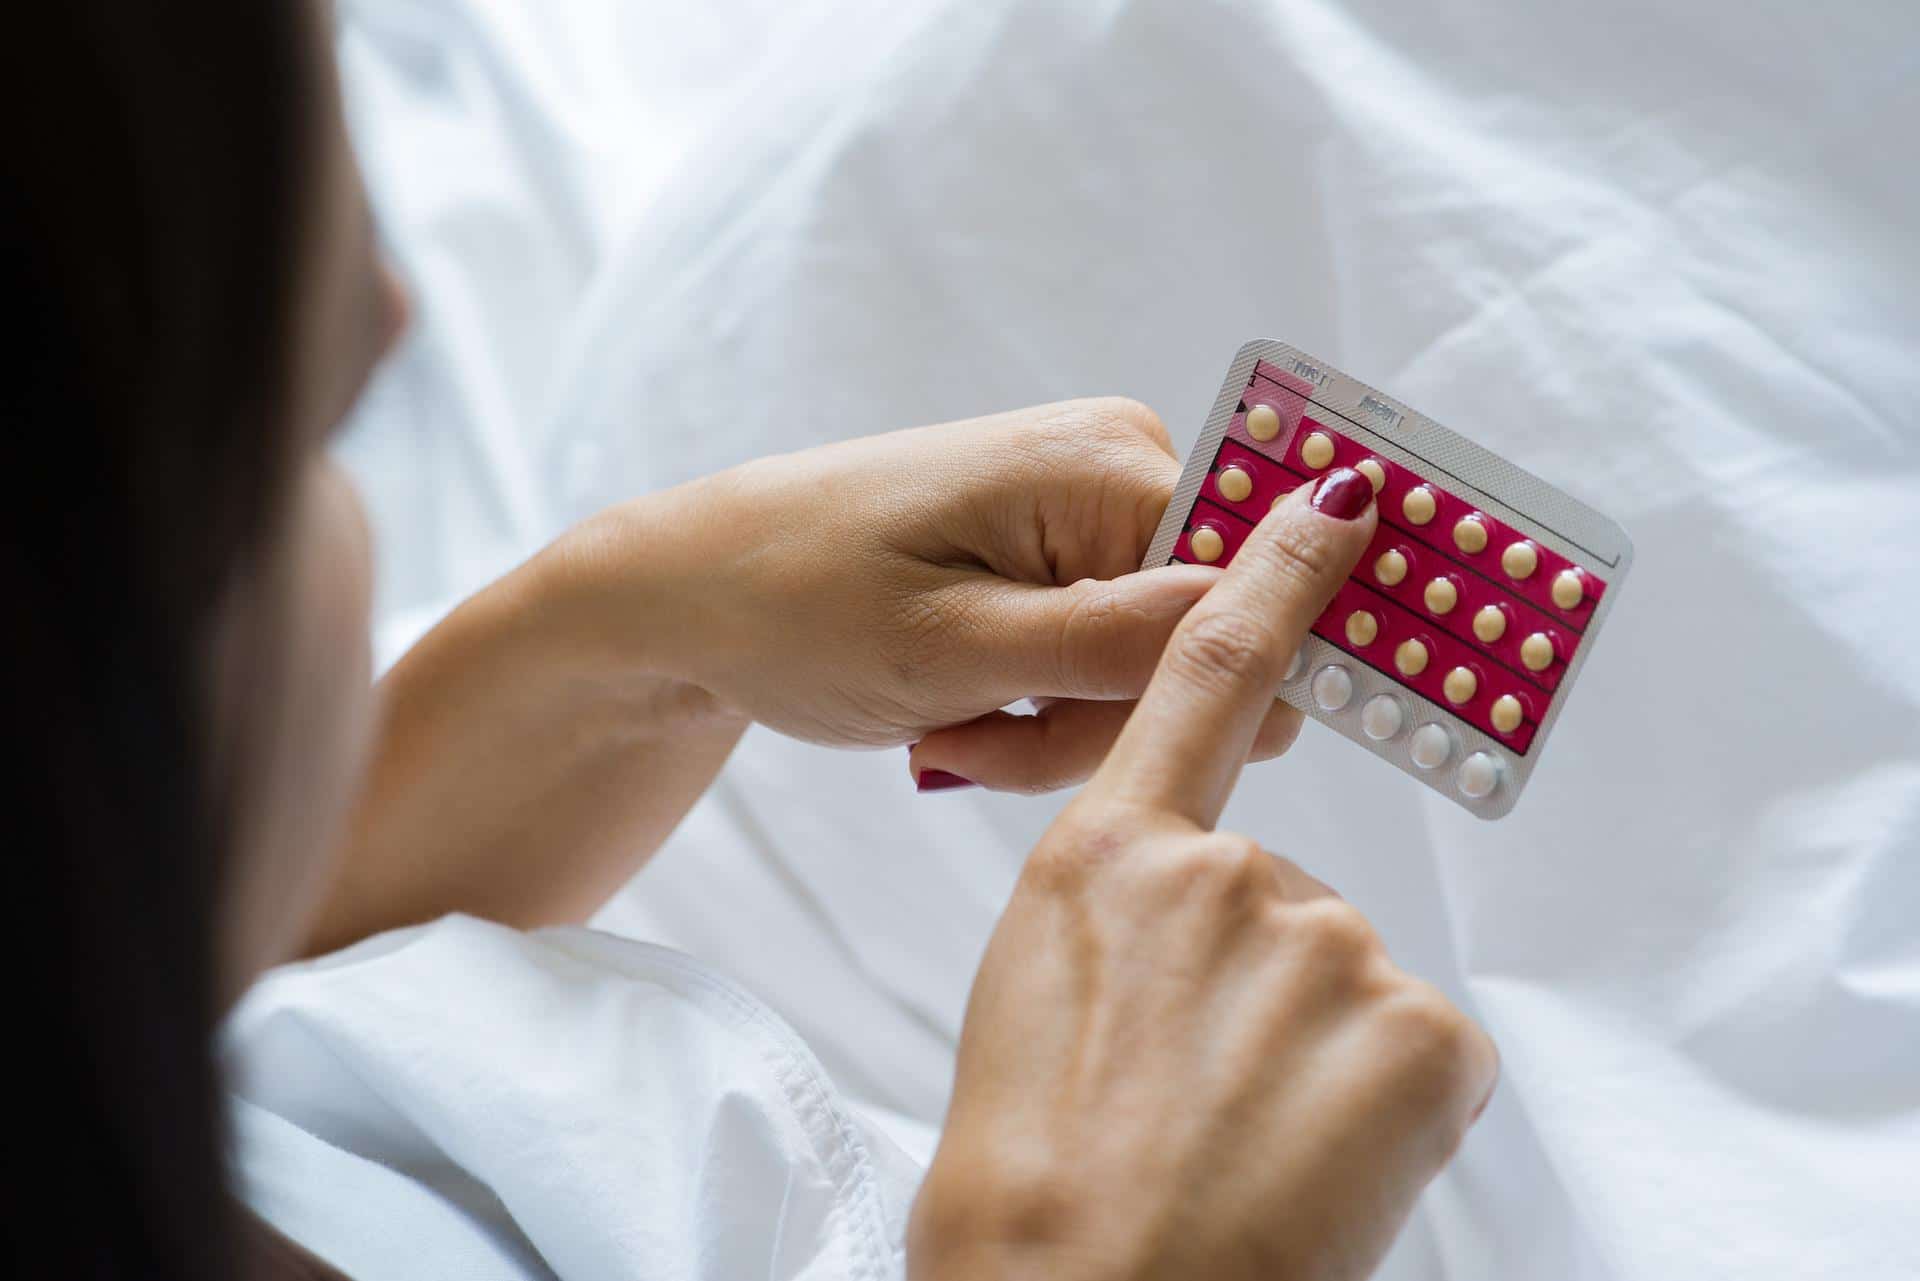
[1569,588]
[1507,713]
[1536,651]
[1489,624]
[1370,468]
[1362,627]
[1390,568]
[1316,451]
[1461,685]
[1418,506]
[1410,658]
[1234,484]
[1207,544]
[1441,595]
[1262,422]
[1520,559]
[1470,535]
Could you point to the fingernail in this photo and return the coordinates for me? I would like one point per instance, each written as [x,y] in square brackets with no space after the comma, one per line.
[1343,494]
[938,780]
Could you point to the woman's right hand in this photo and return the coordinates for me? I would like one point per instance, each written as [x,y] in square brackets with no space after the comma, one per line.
[1184,1057]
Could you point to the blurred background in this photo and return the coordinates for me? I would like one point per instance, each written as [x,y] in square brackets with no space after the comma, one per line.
[1663,256]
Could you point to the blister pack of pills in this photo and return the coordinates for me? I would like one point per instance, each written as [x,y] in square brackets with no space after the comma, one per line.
[1456,642]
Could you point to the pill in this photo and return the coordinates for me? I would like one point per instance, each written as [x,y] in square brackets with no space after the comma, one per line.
[1569,588]
[1262,422]
[1234,484]
[1382,717]
[1520,559]
[1390,568]
[1430,746]
[1470,534]
[1410,658]
[1490,624]
[1316,451]
[1362,627]
[1207,544]
[1332,688]
[1507,713]
[1441,595]
[1536,651]
[1479,775]
[1418,506]
[1461,685]
[1370,468]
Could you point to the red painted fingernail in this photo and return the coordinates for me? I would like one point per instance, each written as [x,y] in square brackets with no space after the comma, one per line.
[938,780]
[1343,494]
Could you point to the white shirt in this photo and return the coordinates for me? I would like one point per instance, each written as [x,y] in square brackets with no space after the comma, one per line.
[465,1100]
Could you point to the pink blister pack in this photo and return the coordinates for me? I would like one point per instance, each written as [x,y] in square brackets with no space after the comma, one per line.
[1456,642]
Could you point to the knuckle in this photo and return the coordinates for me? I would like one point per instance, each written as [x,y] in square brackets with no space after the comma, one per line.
[1097,619]
[1297,553]
[1078,842]
[1130,417]
[1433,1032]
[1222,650]
[1335,934]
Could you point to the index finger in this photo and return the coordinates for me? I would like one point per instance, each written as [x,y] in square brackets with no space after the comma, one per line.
[1182,749]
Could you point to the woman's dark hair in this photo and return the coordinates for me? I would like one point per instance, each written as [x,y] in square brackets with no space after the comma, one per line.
[159,157]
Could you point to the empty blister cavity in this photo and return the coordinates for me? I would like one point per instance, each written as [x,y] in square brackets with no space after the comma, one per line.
[1382,717]
[1479,775]
[1430,746]
[1332,688]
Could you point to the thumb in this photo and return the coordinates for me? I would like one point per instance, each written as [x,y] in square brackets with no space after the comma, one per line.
[1094,639]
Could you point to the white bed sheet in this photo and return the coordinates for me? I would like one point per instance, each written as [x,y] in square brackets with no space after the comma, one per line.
[1661,255]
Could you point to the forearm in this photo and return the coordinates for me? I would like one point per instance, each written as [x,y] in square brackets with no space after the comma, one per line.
[526,768]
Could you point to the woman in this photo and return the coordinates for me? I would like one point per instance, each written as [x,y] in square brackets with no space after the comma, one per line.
[1182,1057]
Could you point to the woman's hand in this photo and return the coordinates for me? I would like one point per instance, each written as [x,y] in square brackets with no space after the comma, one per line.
[1183,1056]
[875,592]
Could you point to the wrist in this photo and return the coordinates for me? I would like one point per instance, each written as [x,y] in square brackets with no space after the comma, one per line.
[630,597]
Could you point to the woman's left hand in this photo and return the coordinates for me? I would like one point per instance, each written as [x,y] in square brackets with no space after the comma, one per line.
[903,588]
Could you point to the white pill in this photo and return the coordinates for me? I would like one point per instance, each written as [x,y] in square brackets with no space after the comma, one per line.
[1376,474]
[1520,559]
[1207,544]
[1332,688]
[1262,422]
[1569,588]
[1470,534]
[1430,746]
[1316,451]
[1418,506]
[1390,568]
[1234,484]
[1382,717]
[1479,775]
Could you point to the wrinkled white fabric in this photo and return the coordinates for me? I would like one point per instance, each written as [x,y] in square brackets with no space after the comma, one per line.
[466,1101]
[1662,255]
